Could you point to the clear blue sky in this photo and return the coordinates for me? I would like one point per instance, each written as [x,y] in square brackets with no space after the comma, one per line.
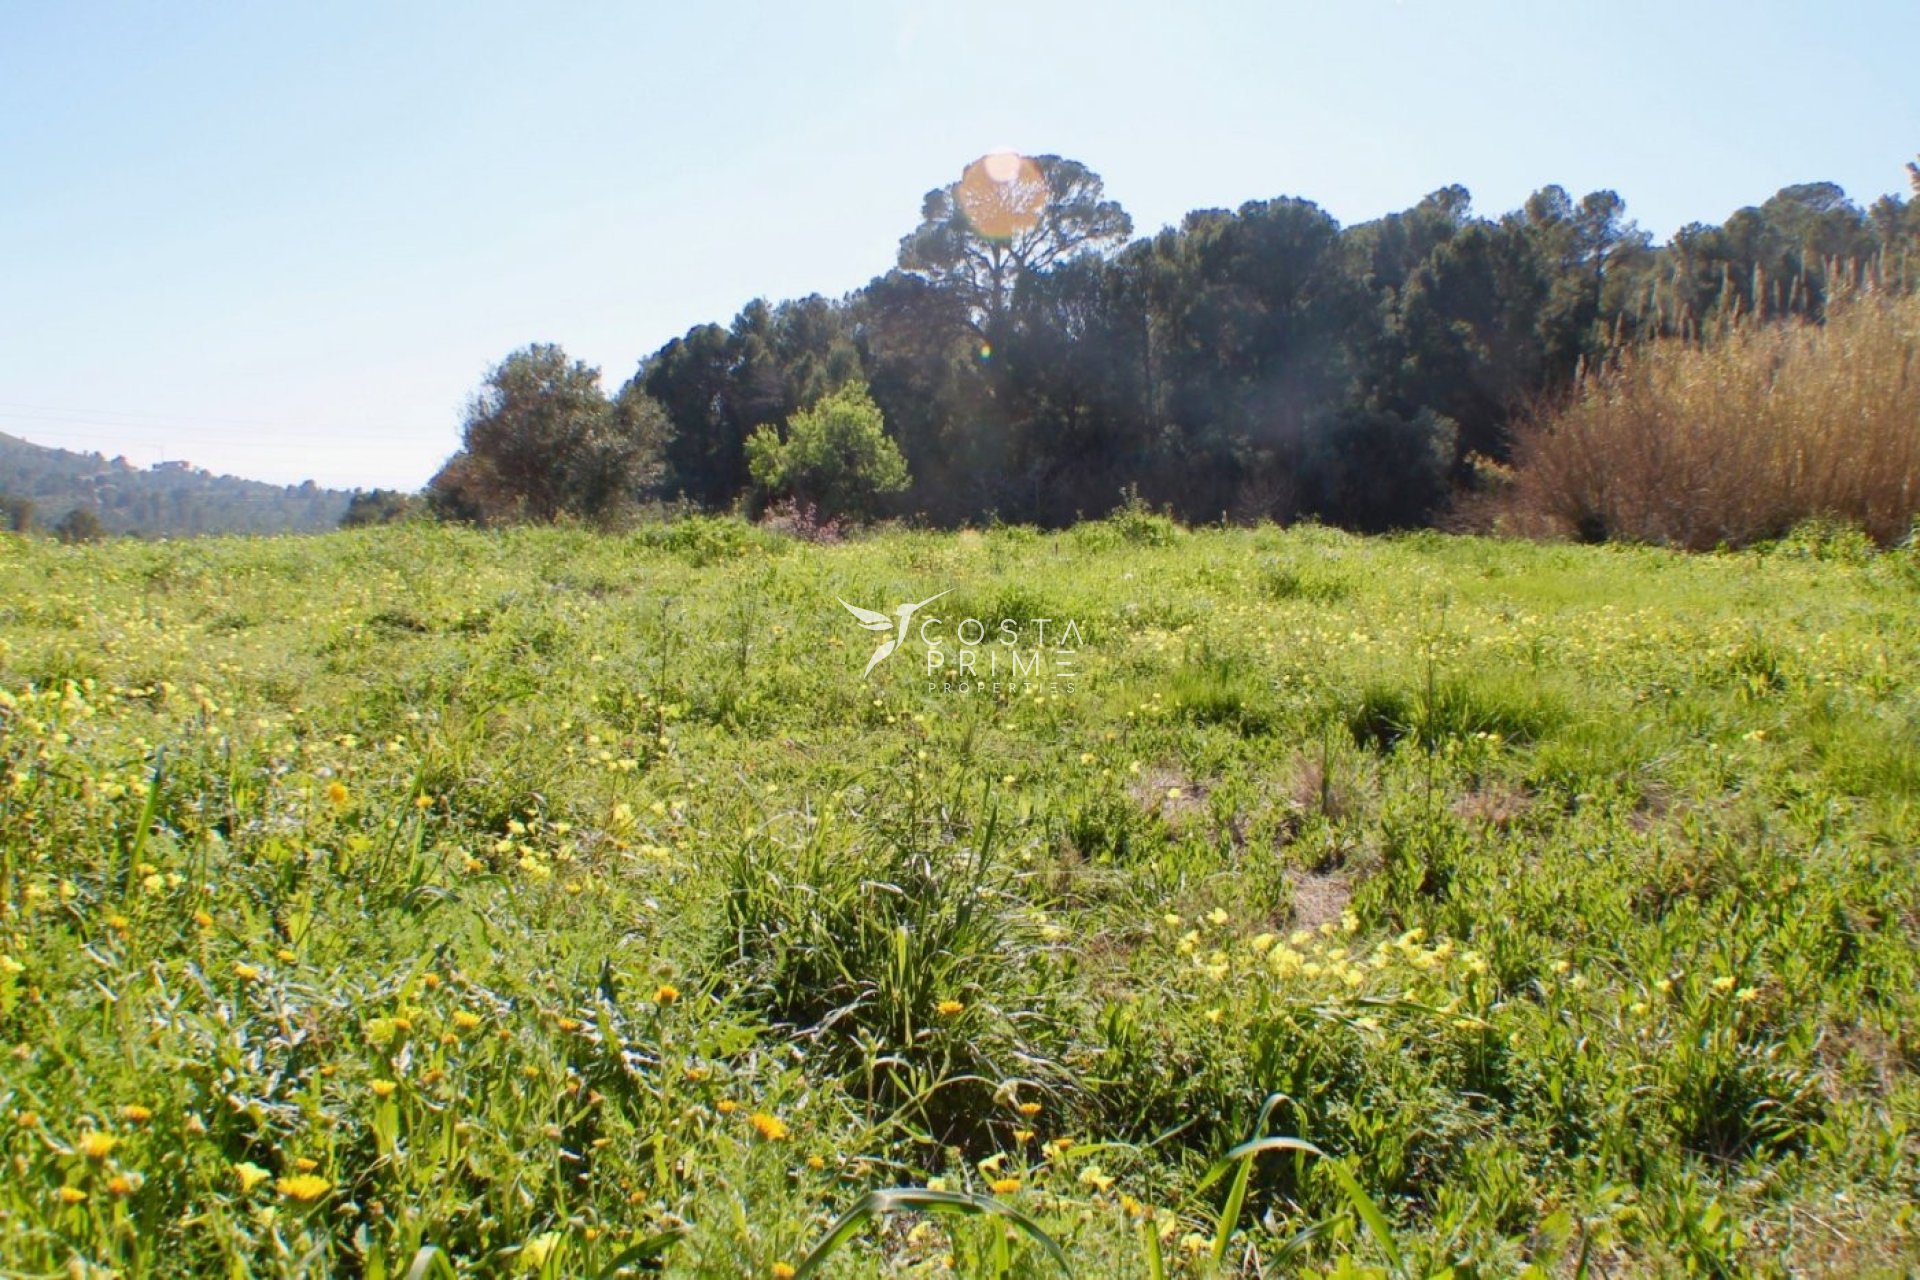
[287,241]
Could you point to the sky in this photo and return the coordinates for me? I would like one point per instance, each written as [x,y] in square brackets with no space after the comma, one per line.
[288,241]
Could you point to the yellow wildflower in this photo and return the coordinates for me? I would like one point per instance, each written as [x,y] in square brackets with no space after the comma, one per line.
[1004,1186]
[466,1019]
[72,1195]
[784,1271]
[770,1127]
[97,1146]
[666,993]
[303,1187]
[535,1252]
[383,1088]
[245,972]
[336,793]
[948,1008]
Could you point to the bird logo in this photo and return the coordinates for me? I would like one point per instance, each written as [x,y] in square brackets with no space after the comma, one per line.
[873,620]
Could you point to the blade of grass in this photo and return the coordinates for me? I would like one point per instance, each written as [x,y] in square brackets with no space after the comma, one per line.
[1369,1213]
[1241,1159]
[895,1199]
[431,1261]
[651,1247]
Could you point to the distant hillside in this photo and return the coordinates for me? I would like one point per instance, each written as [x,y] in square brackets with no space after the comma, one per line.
[169,498]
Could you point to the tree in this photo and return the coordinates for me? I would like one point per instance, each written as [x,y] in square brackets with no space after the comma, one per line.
[717,385]
[1007,218]
[836,456]
[376,506]
[541,440]
[79,525]
[16,513]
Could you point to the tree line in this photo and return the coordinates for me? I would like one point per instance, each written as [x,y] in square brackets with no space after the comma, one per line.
[1028,359]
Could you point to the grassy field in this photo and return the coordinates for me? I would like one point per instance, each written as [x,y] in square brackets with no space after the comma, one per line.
[417,901]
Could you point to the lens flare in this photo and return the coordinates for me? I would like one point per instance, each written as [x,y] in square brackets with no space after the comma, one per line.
[1003,194]
[1002,166]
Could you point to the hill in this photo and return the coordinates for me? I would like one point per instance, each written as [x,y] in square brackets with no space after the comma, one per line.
[169,498]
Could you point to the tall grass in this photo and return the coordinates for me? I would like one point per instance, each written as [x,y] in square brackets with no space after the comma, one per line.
[1735,440]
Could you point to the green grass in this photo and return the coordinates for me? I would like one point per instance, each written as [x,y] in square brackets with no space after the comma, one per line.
[420,901]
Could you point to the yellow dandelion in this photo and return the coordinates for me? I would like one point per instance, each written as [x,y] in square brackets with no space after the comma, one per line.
[72,1195]
[97,1146]
[948,1008]
[466,1019]
[770,1127]
[383,1088]
[726,1106]
[123,1185]
[304,1188]
[665,993]
[784,1271]
[1004,1186]
[27,1120]
[1028,1108]
[306,1164]
[535,1252]
[815,1163]
[250,1175]
[135,1113]
[245,972]
[336,793]
[1023,1135]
